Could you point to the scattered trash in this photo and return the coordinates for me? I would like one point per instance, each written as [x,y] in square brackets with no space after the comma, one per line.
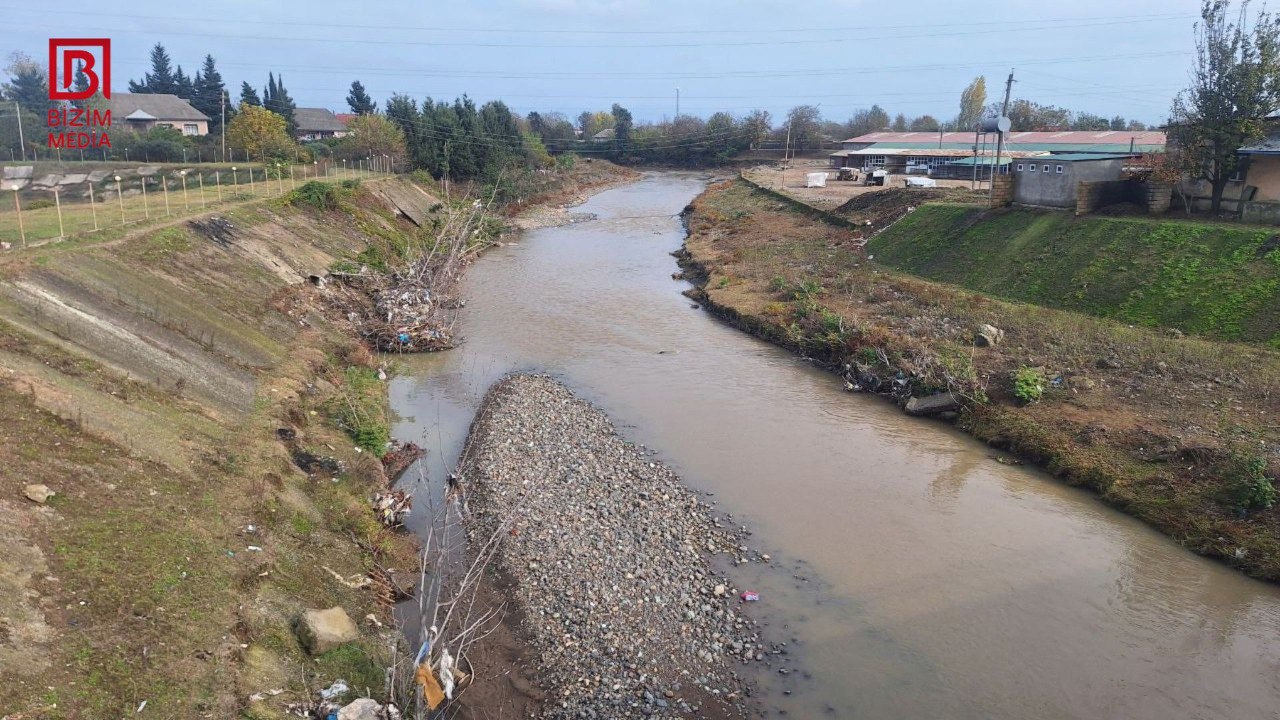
[750,596]
[399,458]
[38,493]
[254,548]
[446,673]
[218,229]
[141,706]
[6,246]
[260,696]
[338,688]
[356,582]
[312,463]
[431,691]
[392,508]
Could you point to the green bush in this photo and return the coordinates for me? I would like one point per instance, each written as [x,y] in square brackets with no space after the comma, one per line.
[1249,487]
[39,204]
[361,412]
[316,194]
[1028,384]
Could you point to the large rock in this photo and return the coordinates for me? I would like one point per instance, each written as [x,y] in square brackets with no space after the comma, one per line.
[988,336]
[323,630]
[933,404]
[362,709]
[38,493]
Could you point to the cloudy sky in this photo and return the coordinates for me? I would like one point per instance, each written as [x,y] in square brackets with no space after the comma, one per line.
[1111,58]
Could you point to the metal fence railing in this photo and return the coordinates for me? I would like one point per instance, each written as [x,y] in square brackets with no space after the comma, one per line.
[72,201]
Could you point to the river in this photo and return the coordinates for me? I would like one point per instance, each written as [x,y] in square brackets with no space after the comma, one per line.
[913,576]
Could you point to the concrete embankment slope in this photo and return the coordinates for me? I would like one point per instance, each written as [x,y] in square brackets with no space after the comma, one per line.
[1177,431]
[609,555]
[171,386]
[1219,280]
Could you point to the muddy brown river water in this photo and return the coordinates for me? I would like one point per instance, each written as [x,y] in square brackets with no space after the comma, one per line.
[913,576]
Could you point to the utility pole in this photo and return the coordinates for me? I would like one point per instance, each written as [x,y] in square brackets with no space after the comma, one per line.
[677,117]
[222,100]
[1004,112]
[22,143]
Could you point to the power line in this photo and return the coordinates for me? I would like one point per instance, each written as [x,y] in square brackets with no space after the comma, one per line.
[570,31]
[613,46]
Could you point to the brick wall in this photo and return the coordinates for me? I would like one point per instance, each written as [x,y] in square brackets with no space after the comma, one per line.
[1002,191]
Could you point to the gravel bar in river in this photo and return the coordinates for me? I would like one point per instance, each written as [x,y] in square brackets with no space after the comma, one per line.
[610,554]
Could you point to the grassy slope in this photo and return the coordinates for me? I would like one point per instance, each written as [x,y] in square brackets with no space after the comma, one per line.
[1212,279]
[149,589]
[1174,435]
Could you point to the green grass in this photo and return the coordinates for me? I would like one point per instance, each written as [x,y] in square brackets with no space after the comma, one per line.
[1214,279]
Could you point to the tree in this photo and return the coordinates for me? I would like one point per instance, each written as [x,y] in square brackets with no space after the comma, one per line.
[276,99]
[622,125]
[755,127]
[28,84]
[183,86]
[1235,84]
[260,133]
[161,78]
[208,93]
[803,122]
[866,121]
[925,123]
[972,102]
[1025,115]
[899,123]
[249,96]
[1089,121]
[359,101]
[373,135]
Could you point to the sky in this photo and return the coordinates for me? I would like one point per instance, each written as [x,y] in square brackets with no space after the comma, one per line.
[1101,56]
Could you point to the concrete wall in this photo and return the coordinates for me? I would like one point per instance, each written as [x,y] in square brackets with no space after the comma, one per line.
[1264,174]
[1054,189]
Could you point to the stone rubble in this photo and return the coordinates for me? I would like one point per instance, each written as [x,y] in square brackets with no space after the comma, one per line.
[609,553]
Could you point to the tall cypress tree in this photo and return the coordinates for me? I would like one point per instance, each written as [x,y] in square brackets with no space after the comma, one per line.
[277,100]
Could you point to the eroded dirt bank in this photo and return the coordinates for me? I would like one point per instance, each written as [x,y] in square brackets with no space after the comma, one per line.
[609,558]
[1172,430]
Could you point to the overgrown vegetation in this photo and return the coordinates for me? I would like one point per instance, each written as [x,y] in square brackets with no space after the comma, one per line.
[1213,279]
[360,409]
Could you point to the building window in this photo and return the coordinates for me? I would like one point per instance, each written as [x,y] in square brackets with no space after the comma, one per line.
[1019,167]
[1033,167]
[1046,168]
[190,129]
[1059,169]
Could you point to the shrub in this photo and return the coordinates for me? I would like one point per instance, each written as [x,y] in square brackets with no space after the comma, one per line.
[1028,384]
[359,410]
[39,204]
[778,283]
[316,194]
[350,184]
[1248,486]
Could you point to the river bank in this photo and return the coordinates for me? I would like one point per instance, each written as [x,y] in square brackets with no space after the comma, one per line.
[1172,430]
